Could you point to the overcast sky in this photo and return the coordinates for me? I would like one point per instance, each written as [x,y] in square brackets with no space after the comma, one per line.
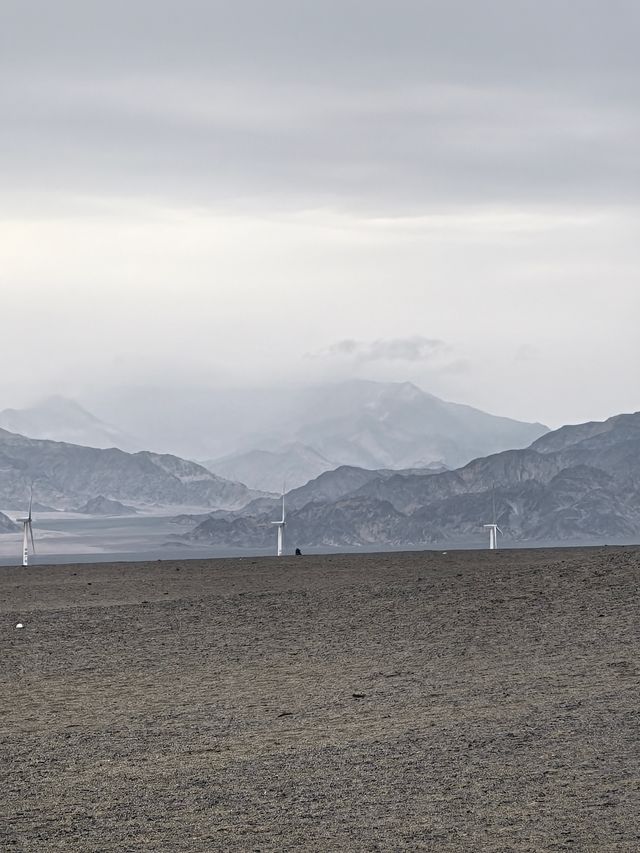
[225,193]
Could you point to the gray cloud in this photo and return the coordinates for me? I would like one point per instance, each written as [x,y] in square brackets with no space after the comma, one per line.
[383,106]
[416,348]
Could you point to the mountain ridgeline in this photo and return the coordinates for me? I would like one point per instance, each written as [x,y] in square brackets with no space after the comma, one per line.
[67,475]
[578,483]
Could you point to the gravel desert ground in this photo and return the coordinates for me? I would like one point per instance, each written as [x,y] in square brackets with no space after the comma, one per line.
[467,701]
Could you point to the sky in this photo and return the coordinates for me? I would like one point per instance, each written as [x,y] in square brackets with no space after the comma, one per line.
[223,194]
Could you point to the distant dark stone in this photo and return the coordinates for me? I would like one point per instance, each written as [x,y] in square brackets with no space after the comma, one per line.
[106,506]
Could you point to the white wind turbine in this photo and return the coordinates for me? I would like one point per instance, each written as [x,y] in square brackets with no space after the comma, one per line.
[27,533]
[493,527]
[281,523]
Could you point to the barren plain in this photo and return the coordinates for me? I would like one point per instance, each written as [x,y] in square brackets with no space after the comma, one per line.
[461,701]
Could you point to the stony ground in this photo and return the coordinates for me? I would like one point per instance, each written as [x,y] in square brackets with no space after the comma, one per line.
[447,702]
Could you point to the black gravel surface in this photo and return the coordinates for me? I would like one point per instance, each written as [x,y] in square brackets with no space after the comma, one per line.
[468,701]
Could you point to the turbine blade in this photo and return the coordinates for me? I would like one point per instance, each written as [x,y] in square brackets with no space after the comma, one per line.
[30,503]
[33,544]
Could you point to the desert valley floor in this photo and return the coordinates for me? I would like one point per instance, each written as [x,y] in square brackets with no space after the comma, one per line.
[468,701]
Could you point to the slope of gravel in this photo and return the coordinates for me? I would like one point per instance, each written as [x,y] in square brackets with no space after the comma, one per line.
[466,701]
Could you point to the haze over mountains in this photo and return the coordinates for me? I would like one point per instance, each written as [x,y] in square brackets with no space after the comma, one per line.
[579,483]
[370,425]
[264,437]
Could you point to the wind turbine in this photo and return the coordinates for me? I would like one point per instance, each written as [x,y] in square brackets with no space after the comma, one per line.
[281,525]
[493,527]
[27,533]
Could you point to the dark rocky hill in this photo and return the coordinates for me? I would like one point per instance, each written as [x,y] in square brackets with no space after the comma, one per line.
[66,475]
[327,487]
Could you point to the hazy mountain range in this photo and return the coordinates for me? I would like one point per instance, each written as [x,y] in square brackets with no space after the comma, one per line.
[371,425]
[577,483]
[271,438]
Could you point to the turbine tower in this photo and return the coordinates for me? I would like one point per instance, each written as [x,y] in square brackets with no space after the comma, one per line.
[281,525]
[27,533]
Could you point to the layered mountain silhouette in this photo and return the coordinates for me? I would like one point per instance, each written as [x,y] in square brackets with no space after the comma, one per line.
[263,438]
[578,483]
[67,475]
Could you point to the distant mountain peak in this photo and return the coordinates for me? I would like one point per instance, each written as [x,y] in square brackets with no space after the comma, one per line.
[366,424]
[58,418]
